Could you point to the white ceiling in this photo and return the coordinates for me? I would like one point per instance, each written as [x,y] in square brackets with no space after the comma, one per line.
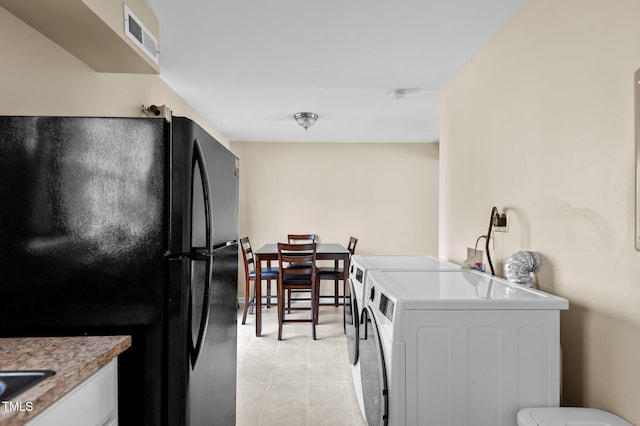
[248,65]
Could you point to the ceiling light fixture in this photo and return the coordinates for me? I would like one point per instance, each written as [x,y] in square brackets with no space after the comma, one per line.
[305,119]
[397,93]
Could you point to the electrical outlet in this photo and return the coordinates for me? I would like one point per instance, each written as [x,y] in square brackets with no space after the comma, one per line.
[501,222]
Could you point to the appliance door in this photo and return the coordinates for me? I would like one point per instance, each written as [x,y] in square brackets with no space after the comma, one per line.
[209,296]
[212,370]
[190,272]
[373,371]
[352,323]
[213,290]
[222,176]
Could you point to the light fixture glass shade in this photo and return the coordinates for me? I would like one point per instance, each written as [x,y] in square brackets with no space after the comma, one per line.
[305,119]
[397,93]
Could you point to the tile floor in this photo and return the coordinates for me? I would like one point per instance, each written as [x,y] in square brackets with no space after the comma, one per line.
[295,381]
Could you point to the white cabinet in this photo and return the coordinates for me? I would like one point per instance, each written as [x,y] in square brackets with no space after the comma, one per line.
[480,367]
[92,403]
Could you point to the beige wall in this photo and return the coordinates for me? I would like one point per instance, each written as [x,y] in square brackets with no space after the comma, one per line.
[37,77]
[540,123]
[383,194]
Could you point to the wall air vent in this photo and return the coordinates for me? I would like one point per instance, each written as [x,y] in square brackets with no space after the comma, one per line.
[135,29]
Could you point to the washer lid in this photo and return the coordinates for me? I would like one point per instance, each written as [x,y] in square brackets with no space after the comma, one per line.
[568,416]
[459,290]
[403,263]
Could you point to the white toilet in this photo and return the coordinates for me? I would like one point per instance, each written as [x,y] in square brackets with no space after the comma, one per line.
[568,416]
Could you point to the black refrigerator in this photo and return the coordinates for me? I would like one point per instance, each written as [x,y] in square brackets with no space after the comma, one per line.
[126,226]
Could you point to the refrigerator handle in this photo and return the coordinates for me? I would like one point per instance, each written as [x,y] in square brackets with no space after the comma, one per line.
[195,348]
[201,254]
[224,245]
[198,160]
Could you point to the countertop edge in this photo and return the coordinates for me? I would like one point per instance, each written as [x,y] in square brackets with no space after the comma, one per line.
[50,390]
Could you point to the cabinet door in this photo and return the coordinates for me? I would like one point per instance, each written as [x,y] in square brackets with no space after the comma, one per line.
[93,402]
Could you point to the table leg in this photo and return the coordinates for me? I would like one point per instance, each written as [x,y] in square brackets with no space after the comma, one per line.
[258,303]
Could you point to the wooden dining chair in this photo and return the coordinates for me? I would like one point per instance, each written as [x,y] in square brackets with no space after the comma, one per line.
[302,278]
[335,273]
[267,274]
[297,239]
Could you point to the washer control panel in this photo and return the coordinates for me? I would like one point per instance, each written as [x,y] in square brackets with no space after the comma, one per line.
[380,301]
[386,306]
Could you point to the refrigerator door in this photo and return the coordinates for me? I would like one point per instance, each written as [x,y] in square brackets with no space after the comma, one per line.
[212,381]
[211,292]
[223,177]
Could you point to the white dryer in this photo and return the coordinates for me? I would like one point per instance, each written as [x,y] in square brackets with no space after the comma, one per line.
[457,348]
[359,271]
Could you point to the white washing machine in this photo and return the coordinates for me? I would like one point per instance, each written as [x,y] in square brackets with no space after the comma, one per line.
[457,348]
[359,270]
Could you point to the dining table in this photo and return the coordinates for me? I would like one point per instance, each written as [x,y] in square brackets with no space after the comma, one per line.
[269,253]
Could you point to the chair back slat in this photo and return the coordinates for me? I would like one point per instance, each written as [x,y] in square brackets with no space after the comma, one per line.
[247,255]
[302,255]
[353,241]
[301,238]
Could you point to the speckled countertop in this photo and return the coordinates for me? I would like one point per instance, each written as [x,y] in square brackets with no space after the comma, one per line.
[73,359]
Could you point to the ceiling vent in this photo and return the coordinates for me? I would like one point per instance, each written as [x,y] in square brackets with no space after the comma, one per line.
[135,29]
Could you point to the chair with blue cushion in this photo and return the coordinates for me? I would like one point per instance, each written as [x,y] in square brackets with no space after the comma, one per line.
[297,239]
[267,273]
[336,273]
[300,278]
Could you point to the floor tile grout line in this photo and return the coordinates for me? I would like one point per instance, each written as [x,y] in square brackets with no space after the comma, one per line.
[334,343]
